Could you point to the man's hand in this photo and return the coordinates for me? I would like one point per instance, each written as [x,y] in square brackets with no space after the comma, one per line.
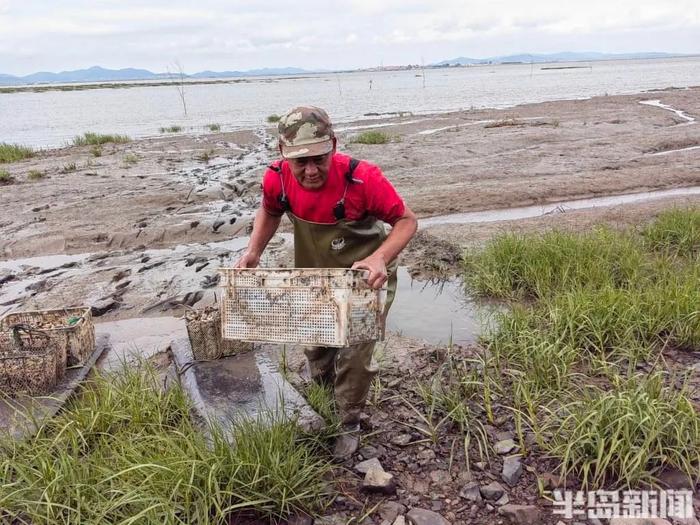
[377,270]
[248,260]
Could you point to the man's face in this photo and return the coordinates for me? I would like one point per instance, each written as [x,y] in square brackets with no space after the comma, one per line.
[311,172]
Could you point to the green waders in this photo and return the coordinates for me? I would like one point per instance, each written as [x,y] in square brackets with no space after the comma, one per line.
[339,245]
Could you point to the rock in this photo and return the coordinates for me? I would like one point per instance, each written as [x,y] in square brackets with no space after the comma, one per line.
[512,470]
[369,452]
[390,510]
[103,306]
[504,447]
[440,477]
[521,514]
[377,480]
[503,500]
[675,479]
[364,466]
[300,519]
[418,516]
[481,465]
[492,491]
[401,440]
[471,492]
[400,520]
[426,455]
[504,436]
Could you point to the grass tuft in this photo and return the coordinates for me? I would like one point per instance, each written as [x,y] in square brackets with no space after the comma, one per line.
[171,129]
[95,139]
[676,232]
[627,434]
[371,137]
[14,152]
[36,175]
[130,159]
[214,127]
[273,118]
[126,451]
[5,177]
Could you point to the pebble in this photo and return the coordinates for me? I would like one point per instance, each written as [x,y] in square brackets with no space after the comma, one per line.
[512,470]
[418,516]
[521,514]
[492,491]
[377,480]
[504,447]
[364,466]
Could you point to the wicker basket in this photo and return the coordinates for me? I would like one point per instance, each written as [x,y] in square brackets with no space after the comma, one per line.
[204,331]
[71,330]
[30,361]
[308,306]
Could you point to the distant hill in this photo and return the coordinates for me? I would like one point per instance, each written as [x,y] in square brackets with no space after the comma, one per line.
[553,57]
[100,74]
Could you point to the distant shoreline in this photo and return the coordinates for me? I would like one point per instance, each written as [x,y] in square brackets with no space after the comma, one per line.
[124,84]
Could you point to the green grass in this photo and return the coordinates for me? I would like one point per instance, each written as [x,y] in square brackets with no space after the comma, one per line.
[127,452]
[273,118]
[627,434]
[171,129]
[96,139]
[36,175]
[130,159]
[96,150]
[5,177]
[371,137]
[14,152]
[69,168]
[676,232]
[214,127]
[592,307]
[516,266]
[206,155]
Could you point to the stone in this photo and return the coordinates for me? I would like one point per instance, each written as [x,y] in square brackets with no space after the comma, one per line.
[503,500]
[418,516]
[400,520]
[440,477]
[390,510]
[505,446]
[401,440]
[426,455]
[503,436]
[480,465]
[377,480]
[471,492]
[492,491]
[363,466]
[369,452]
[512,470]
[300,519]
[672,478]
[521,514]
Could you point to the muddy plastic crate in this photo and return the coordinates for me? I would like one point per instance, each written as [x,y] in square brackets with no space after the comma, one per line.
[307,306]
[204,332]
[71,331]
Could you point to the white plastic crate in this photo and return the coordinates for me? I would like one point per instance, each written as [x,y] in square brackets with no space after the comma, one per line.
[306,306]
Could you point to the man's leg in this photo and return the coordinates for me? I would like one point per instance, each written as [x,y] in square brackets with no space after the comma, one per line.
[321,364]
[354,374]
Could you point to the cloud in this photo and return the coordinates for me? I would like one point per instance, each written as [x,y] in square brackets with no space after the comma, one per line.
[234,34]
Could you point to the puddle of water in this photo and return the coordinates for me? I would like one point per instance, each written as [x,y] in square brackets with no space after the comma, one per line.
[674,151]
[435,312]
[526,212]
[657,103]
[44,261]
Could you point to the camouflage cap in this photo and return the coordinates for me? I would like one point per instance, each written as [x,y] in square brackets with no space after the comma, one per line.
[305,131]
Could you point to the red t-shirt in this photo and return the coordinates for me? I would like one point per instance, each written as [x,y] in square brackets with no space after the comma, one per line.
[374,196]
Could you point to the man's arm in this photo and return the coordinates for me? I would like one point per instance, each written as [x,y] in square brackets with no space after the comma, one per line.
[264,227]
[401,233]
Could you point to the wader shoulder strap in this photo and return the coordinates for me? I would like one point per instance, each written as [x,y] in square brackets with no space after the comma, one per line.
[282,199]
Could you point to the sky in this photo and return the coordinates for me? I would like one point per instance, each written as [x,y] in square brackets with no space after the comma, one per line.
[222,35]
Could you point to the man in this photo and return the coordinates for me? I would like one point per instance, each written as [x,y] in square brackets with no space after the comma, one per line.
[336,204]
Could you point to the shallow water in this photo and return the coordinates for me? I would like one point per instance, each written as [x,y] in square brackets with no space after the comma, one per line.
[435,312]
[526,212]
[53,118]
